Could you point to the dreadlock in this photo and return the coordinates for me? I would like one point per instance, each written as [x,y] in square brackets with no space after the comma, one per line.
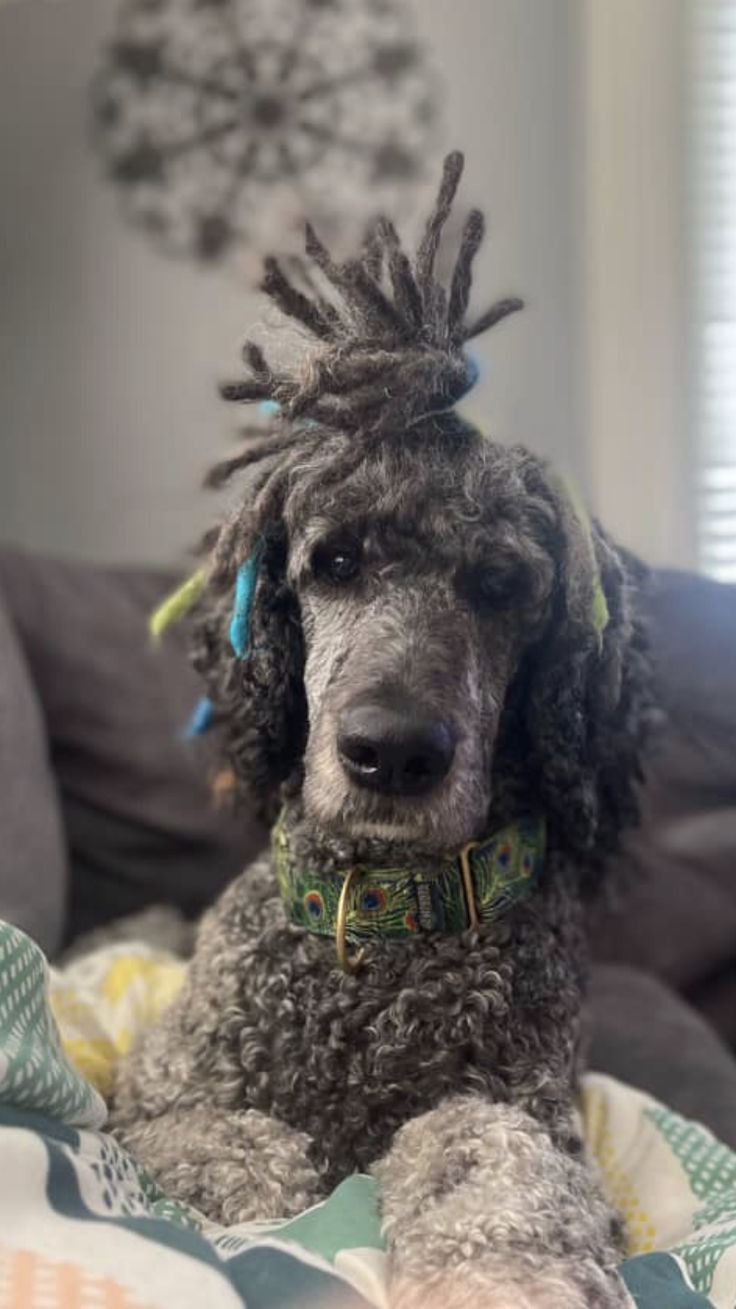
[390,342]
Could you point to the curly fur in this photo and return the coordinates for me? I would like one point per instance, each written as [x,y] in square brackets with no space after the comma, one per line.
[448,1064]
[492,1173]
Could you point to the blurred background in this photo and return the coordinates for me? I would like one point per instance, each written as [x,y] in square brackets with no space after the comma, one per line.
[143,171]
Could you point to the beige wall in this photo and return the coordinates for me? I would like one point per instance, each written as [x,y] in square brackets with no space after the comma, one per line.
[109,353]
[632,189]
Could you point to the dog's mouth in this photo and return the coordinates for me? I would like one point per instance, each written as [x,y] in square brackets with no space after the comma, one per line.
[358,810]
[376,830]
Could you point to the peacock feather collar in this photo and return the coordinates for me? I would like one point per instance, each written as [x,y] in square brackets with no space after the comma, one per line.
[473,888]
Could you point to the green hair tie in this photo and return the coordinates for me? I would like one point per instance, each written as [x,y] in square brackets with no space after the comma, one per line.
[599,612]
[177,605]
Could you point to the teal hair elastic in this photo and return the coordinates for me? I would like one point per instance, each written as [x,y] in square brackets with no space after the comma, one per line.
[203,715]
[245,589]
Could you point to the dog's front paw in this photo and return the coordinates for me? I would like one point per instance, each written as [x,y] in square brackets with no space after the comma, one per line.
[233,1167]
[482,1210]
[467,1147]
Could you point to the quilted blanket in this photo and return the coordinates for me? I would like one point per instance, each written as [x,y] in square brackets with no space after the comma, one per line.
[82,1227]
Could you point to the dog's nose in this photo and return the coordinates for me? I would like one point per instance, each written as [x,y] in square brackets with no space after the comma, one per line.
[395,749]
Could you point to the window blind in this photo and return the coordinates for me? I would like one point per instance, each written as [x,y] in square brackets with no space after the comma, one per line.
[714,230]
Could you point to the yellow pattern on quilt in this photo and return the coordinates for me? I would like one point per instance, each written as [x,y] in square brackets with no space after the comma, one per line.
[102,1003]
[641,1233]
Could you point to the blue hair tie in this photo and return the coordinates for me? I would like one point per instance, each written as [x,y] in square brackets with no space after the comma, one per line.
[201,720]
[474,369]
[203,714]
[245,588]
[271,409]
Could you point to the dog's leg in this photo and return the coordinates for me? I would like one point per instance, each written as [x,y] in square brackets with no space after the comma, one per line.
[180,1102]
[233,1166]
[483,1211]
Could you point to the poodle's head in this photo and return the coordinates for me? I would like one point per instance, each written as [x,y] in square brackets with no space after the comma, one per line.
[439,640]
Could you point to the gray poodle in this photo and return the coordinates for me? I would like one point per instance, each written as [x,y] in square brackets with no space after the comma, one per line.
[429,671]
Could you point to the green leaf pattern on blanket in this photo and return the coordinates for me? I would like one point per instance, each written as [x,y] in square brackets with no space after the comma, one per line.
[34,1072]
[711,1173]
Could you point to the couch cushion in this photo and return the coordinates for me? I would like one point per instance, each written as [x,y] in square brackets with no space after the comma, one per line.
[644,1034]
[140,821]
[32,845]
[677,916]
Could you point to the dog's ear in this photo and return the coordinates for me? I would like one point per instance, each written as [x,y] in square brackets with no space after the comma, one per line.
[257,690]
[587,694]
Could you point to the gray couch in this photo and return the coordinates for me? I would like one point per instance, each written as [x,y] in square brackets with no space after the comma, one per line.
[105,808]
[98,722]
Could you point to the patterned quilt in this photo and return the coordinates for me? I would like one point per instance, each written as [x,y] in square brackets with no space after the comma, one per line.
[82,1227]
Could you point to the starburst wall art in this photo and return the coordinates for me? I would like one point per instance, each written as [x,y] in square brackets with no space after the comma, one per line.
[222,123]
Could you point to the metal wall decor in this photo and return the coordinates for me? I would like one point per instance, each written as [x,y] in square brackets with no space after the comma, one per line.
[223,122]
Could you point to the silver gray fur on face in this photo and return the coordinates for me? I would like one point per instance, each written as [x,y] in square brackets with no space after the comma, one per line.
[417,584]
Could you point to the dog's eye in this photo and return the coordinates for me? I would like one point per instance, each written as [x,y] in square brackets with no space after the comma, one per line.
[494,588]
[497,588]
[337,563]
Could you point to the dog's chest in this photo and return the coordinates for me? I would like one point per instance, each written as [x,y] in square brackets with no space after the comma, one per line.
[349,1059]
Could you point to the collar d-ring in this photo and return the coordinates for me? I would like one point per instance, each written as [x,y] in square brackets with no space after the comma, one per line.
[467,876]
[348,963]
